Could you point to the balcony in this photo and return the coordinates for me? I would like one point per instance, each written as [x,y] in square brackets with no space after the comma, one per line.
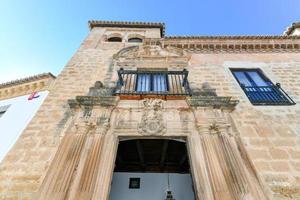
[267,95]
[139,84]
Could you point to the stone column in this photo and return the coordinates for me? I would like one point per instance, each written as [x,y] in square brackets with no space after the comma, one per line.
[61,172]
[227,174]
[202,184]
[84,183]
[106,167]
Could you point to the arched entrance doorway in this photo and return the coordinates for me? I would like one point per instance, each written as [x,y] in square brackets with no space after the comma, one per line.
[148,168]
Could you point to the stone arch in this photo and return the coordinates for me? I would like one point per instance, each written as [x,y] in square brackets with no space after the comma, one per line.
[112,36]
[135,38]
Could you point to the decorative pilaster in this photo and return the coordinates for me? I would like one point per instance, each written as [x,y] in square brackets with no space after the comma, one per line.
[201,179]
[106,167]
[227,173]
[82,155]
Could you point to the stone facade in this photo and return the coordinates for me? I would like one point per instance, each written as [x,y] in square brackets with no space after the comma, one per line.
[237,150]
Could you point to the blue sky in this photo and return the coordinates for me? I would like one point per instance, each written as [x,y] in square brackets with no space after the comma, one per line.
[41,36]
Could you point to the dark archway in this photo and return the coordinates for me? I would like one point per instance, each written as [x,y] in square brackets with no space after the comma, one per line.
[152,169]
[152,155]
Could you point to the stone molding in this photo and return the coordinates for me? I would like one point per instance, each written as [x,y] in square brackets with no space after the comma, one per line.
[93,101]
[27,80]
[98,95]
[212,101]
[93,111]
[287,192]
[151,55]
[126,24]
[25,86]
[230,44]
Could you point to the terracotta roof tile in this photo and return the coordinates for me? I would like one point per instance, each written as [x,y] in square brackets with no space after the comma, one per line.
[26,80]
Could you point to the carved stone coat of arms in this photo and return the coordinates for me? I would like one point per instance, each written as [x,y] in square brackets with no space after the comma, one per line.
[152,122]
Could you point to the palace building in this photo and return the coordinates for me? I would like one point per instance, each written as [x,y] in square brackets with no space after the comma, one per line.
[136,114]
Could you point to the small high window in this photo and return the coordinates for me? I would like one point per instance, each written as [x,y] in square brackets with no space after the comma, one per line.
[114,39]
[136,40]
[259,89]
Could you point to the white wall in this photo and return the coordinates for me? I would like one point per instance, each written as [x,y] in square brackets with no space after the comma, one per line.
[16,118]
[296,31]
[153,186]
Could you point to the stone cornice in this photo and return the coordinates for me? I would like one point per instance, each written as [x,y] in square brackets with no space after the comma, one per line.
[125,24]
[212,101]
[27,80]
[26,86]
[238,44]
[235,37]
[93,101]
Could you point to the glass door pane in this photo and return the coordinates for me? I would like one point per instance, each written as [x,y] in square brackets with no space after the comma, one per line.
[143,83]
[159,83]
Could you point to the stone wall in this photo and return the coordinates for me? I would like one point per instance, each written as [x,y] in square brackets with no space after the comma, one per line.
[23,169]
[270,134]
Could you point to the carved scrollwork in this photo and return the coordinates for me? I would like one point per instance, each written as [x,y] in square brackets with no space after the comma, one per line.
[85,127]
[139,55]
[216,128]
[152,119]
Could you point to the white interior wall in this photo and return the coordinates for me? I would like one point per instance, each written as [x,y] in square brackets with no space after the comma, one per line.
[16,118]
[153,186]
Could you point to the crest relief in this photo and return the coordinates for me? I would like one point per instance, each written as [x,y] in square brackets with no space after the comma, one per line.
[152,122]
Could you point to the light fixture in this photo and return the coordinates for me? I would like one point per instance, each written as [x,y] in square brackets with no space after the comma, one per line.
[169,195]
[169,192]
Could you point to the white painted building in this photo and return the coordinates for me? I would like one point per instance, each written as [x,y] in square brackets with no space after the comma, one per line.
[19,102]
[15,115]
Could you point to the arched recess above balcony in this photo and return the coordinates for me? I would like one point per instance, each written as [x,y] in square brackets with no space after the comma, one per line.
[154,55]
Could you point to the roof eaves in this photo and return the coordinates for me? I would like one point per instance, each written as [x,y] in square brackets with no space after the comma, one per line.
[126,24]
[235,37]
[27,79]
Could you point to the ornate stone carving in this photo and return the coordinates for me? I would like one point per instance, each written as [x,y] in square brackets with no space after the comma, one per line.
[213,122]
[103,123]
[85,127]
[288,192]
[144,55]
[148,51]
[152,118]
[99,90]
[212,101]
[184,118]
[87,112]
[214,128]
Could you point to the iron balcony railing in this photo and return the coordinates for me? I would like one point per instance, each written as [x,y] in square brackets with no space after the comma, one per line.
[267,95]
[152,82]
